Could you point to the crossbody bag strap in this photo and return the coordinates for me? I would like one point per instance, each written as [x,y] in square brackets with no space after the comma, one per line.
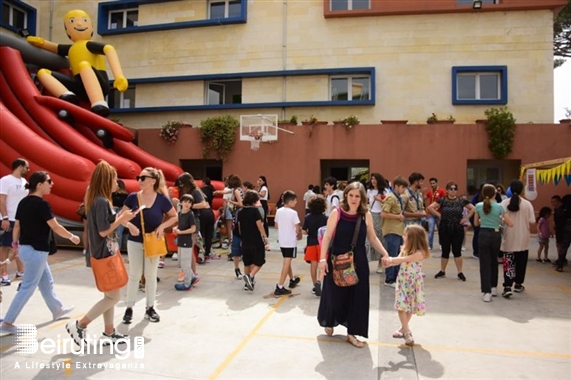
[142,218]
[356,233]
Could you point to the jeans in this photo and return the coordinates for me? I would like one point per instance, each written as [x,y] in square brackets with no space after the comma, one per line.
[489,243]
[137,263]
[432,222]
[185,257]
[394,243]
[37,275]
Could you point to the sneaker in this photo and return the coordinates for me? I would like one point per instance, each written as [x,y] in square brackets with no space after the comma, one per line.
[487,297]
[507,293]
[10,330]
[174,257]
[21,274]
[317,288]
[207,259]
[440,275]
[248,281]
[494,292]
[5,281]
[539,260]
[195,280]
[246,288]
[238,273]
[161,264]
[519,288]
[461,276]
[180,277]
[281,291]
[390,284]
[114,337]
[61,312]
[128,316]
[293,283]
[152,315]
[182,287]
[77,333]
[544,260]
[200,258]
[214,256]
[380,269]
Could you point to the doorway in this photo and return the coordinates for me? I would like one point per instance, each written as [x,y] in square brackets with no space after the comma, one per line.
[345,170]
[203,168]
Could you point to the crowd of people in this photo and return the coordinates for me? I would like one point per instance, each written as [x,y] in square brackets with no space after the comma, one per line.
[389,223]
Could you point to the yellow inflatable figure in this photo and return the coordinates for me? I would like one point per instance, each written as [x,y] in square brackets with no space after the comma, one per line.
[90,80]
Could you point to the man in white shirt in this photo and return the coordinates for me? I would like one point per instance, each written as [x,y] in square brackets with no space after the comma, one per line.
[307,196]
[12,191]
[329,187]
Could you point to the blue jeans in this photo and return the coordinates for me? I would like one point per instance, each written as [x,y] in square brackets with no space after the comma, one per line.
[394,243]
[37,274]
[432,222]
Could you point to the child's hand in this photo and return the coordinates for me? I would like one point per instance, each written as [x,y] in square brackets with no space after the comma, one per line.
[176,231]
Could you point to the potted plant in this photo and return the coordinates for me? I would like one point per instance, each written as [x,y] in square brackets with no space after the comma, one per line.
[500,126]
[567,119]
[310,122]
[432,119]
[218,133]
[169,131]
[350,121]
[291,121]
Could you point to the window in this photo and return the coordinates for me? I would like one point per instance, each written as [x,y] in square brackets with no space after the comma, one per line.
[224,92]
[17,15]
[479,85]
[123,99]
[350,88]
[349,5]
[124,18]
[225,9]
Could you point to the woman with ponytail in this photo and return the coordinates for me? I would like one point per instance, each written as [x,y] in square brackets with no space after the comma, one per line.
[488,216]
[515,243]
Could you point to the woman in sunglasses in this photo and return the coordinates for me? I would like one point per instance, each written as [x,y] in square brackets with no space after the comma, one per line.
[31,242]
[451,230]
[159,214]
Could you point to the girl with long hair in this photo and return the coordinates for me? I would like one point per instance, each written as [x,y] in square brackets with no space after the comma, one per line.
[409,293]
[159,214]
[488,218]
[31,238]
[376,195]
[103,223]
[264,193]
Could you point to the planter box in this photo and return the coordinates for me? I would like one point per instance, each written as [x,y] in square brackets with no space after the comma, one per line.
[565,121]
[394,121]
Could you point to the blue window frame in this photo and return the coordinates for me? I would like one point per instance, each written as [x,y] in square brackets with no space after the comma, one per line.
[17,15]
[356,95]
[349,5]
[121,17]
[479,85]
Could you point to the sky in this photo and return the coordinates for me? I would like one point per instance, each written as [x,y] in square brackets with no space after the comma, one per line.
[562,90]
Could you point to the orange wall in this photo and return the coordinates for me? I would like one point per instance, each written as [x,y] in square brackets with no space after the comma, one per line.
[439,150]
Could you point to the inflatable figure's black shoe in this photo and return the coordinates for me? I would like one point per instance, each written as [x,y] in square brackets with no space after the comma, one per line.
[70,97]
[100,110]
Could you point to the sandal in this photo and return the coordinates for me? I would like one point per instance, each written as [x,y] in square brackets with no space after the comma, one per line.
[398,334]
[329,331]
[354,341]
[408,339]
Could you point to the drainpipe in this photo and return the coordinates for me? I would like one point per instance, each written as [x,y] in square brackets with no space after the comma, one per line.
[51,27]
[284,54]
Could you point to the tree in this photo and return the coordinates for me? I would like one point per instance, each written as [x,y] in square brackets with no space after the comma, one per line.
[562,35]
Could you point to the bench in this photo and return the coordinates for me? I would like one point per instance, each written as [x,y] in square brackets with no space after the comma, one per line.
[271,213]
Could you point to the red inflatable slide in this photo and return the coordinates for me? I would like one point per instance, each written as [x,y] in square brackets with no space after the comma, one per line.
[31,129]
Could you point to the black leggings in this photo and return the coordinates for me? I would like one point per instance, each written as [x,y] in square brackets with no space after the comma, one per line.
[451,238]
[265,207]
[207,228]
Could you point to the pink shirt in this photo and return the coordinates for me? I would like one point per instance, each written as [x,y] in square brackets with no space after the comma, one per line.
[543,228]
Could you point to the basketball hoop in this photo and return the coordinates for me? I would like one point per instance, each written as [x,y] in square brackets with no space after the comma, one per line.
[255,141]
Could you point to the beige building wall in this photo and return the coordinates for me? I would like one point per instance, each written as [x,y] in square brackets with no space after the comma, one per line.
[413,56]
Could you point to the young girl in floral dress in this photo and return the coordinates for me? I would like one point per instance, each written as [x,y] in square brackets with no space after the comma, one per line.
[409,291]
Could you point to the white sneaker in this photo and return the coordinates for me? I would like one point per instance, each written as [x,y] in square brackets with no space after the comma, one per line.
[63,311]
[175,257]
[487,297]
[380,269]
[463,248]
[494,292]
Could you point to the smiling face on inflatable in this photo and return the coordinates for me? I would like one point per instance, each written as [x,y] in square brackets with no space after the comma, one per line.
[78,25]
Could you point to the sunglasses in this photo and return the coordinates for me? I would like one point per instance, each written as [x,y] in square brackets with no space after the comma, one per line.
[452,188]
[49,181]
[142,177]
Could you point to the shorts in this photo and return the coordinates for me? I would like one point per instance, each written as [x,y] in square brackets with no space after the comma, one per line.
[236,248]
[254,255]
[227,214]
[542,240]
[289,252]
[6,239]
[312,252]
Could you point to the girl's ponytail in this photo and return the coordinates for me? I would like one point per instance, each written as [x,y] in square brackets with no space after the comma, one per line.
[489,193]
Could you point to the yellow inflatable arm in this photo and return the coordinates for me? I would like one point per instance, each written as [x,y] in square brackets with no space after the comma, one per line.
[42,43]
[120,82]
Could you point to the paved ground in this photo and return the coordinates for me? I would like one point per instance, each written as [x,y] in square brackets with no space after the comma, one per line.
[217,330]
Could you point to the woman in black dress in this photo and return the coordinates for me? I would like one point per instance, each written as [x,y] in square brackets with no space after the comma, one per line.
[348,306]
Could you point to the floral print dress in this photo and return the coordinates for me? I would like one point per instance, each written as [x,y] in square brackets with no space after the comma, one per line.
[409,291]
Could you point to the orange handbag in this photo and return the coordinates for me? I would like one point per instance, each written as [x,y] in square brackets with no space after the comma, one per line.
[110,273]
